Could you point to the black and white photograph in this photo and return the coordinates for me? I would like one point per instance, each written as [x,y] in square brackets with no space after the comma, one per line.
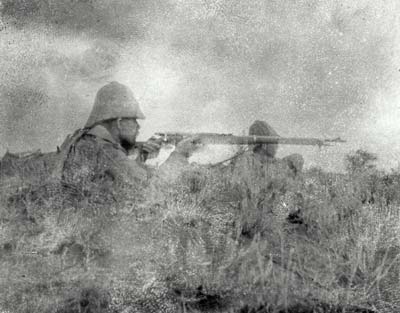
[199,156]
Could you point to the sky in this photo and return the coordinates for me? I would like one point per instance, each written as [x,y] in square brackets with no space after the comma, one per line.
[319,68]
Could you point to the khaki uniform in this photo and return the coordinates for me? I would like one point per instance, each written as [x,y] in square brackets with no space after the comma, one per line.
[262,156]
[89,160]
[263,183]
[261,128]
[251,164]
[89,156]
[95,157]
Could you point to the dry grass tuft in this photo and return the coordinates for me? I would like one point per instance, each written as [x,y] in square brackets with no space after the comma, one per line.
[216,240]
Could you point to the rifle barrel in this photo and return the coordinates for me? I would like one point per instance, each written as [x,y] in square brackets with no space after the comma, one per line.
[223,139]
[253,140]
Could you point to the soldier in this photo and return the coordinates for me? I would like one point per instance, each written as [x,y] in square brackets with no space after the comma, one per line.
[96,157]
[99,153]
[261,128]
[263,181]
[268,151]
[264,155]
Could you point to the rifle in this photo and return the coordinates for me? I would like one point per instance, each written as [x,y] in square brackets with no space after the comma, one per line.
[229,139]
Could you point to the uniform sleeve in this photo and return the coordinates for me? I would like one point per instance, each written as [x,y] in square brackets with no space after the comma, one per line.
[93,159]
[116,163]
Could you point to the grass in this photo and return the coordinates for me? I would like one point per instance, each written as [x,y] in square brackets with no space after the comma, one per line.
[217,240]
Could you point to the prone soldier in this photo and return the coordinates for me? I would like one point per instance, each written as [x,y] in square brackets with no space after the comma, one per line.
[100,151]
[264,155]
[97,156]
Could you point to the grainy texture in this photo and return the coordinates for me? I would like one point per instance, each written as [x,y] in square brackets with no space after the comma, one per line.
[311,68]
[84,228]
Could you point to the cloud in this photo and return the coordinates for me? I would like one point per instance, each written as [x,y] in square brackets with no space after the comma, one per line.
[311,68]
[45,80]
[122,20]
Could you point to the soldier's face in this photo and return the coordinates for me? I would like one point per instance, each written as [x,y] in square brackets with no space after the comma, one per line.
[128,131]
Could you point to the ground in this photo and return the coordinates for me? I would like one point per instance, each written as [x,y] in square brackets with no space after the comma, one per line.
[216,240]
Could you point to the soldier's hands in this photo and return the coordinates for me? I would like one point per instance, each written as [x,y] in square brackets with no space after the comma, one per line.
[188,146]
[151,147]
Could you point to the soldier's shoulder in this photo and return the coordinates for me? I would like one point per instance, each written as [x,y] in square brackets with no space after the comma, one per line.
[100,132]
[94,138]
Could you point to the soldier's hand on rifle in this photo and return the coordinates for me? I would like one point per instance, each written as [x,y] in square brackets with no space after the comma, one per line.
[188,146]
[151,148]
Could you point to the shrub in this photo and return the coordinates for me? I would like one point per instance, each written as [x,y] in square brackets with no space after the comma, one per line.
[214,239]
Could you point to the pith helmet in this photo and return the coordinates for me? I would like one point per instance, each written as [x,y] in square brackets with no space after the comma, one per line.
[261,128]
[114,100]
